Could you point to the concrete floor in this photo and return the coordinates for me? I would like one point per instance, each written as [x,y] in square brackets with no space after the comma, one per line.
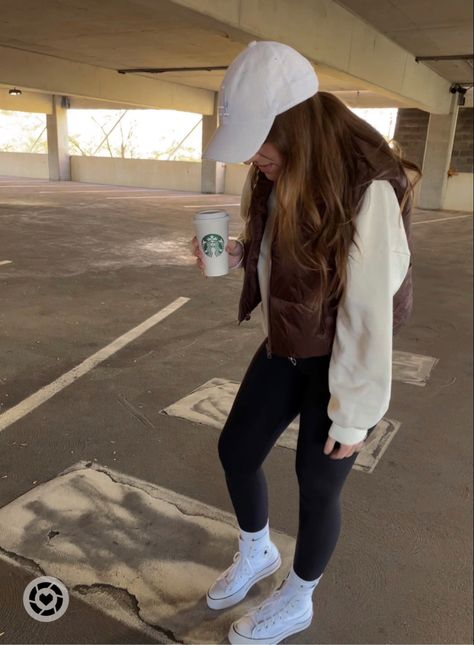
[87,264]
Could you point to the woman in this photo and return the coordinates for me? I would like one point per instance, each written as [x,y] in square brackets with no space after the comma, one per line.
[326,251]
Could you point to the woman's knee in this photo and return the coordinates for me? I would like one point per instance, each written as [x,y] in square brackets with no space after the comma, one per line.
[318,485]
[234,453]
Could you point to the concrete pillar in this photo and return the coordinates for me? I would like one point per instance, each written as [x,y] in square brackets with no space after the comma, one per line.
[439,145]
[58,148]
[212,172]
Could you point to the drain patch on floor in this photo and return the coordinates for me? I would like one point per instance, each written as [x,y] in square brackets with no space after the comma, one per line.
[211,403]
[94,526]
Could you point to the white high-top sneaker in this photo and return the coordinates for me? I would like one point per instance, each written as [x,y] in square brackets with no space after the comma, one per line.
[287,611]
[255,560]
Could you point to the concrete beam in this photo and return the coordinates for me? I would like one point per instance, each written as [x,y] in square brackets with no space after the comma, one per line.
[58,76]
[334,38]
[26,102]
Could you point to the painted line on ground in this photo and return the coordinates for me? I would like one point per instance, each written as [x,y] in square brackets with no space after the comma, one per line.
[153,197]
[175,196]
[205,205]
[97,190]
[35,400]
[443,219]
[5,262]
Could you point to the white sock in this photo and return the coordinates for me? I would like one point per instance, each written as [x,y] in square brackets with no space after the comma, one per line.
[257,535]
[295,580]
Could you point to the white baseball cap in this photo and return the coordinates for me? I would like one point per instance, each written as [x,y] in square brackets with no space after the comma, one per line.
[266,79]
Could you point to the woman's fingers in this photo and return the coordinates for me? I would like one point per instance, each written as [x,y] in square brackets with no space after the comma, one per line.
[233,248]
[343,451]
[195,246]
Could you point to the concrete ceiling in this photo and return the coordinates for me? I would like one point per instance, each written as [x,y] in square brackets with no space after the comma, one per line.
[118,34]
[425,28]
[125,34]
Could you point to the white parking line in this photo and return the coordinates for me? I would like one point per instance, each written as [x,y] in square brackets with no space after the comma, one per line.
[48,391]
[442,219]
[206,205]
[96,190]
[5,262]
[154,197]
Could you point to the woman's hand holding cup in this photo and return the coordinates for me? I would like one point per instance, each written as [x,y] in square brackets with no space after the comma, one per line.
[233,248]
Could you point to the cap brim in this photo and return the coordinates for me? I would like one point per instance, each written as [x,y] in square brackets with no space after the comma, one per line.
[234,143]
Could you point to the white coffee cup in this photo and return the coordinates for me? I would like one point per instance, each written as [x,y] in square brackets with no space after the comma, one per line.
[212,232]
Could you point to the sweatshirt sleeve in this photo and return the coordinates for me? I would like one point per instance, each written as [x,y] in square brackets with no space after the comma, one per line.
[360,369]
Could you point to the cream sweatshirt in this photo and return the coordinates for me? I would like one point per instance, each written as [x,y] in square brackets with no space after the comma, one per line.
[360,369]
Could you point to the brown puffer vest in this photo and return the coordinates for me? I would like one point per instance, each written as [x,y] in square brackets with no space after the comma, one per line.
[292,321]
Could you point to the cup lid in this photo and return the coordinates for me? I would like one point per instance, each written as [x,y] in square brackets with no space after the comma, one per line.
[211,214]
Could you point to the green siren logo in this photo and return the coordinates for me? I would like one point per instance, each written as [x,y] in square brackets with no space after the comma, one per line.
[213,244]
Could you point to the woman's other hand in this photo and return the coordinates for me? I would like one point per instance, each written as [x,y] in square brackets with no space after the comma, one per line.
[343,451]
[235,251]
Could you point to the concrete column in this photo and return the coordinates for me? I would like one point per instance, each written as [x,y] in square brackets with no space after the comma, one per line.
[58,149]
[212,172]
[439,145]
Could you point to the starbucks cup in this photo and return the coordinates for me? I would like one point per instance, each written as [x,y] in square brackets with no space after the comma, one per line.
[212,232]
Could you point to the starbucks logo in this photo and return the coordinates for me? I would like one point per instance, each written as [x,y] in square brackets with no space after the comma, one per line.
[213,245]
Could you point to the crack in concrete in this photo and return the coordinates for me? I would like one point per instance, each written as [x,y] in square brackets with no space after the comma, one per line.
[167,633]
[168,501]
[26,563]
[139,416]
[35,569]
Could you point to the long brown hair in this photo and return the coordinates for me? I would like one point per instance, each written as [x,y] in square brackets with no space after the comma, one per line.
[326,168]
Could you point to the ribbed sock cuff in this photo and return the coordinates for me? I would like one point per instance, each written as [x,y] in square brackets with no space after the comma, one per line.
[293,578]
[257,535]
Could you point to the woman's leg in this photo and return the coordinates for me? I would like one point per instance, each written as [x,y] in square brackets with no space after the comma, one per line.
[320,478]
[268,400]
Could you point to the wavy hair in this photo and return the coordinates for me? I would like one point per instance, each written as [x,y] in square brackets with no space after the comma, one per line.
[327,165]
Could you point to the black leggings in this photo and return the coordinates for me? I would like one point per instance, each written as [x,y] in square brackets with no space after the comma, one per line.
[273,392]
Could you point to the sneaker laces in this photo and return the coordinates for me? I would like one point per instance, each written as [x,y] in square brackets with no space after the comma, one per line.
[241,564]
[274,607]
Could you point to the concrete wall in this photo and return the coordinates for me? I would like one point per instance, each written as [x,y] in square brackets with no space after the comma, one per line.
[459,192]
[147,173]
[462,156]
[235,175]
[177,175]
[24,164]
[410,133]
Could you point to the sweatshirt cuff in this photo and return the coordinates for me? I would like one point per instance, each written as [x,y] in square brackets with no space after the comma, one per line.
[347,436]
